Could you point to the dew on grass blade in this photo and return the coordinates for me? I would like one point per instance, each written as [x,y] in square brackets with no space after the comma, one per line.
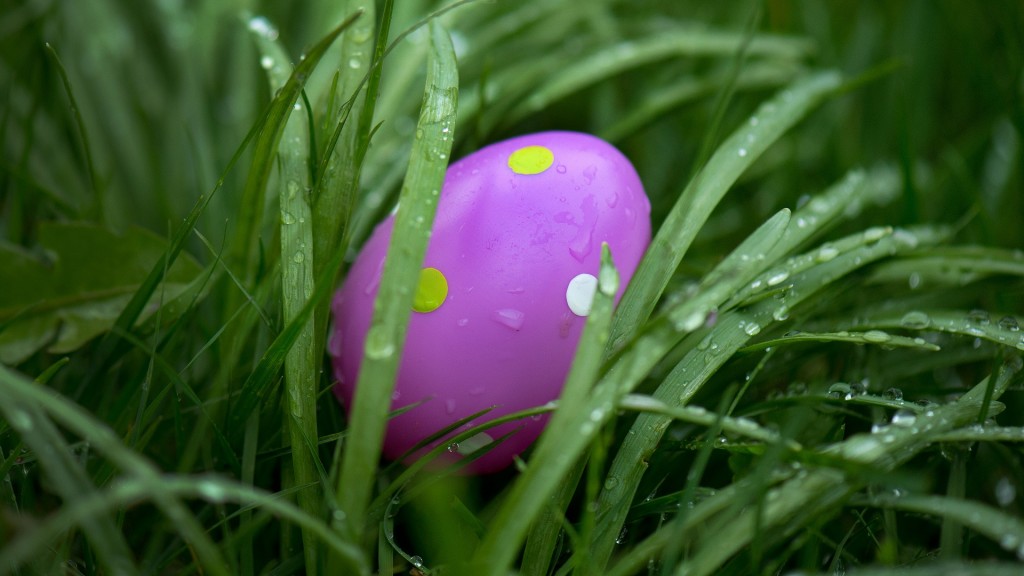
[379,345]
[915,319]
[876,336]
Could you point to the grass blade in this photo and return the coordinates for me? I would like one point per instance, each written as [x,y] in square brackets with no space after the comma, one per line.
[564,440]
[704,192]
[394,301]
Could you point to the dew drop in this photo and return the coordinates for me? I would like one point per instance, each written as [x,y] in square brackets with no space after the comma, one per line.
[915,319]
[263,27]
[742,152]
[840,390]
[752,329]
[266,62]
[875,234]
[211,491]
[691,322]
[893,394]
[777,278]
[1009,323]
[1006,491]
[781,313]
[914,280]
[299,257]
[826,252]
[979,317]
[509,317]
[379,345]
[903,418]
[876,336]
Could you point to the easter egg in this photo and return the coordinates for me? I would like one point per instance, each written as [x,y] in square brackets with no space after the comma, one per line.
[504,291]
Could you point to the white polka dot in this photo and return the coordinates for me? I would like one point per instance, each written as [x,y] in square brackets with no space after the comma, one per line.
[580,294]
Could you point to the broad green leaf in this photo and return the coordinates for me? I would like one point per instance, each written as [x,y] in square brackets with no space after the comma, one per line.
[78,286]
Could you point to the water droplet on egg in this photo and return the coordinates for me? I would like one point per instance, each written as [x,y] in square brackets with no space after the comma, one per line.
[560,169]
[509,317]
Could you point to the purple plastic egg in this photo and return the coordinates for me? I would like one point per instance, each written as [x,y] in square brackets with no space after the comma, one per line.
[508,278]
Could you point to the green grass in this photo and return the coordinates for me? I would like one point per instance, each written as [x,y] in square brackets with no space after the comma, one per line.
[816,368]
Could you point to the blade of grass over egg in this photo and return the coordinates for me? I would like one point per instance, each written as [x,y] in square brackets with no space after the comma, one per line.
[301,366]
[633,365]
[704,192]
[393,305]
[565,439]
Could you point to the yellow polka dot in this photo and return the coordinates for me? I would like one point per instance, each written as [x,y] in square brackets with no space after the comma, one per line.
[531,160]
[431,290]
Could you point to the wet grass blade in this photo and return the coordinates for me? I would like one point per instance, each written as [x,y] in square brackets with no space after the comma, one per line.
[704,192]
[301,366]
[103,440]
[804,275]
[393,306]
[563,442]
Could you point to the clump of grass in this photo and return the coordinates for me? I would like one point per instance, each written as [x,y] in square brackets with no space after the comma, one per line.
[816,368]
